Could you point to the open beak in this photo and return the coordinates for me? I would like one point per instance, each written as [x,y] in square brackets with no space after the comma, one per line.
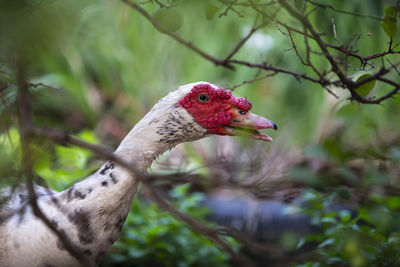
[247,126]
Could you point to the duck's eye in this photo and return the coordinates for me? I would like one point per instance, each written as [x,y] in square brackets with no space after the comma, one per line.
[203,98]
[242,112]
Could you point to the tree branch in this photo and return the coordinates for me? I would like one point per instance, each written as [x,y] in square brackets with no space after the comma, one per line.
[176,37]
[309,32]
[25,129]
[344,11]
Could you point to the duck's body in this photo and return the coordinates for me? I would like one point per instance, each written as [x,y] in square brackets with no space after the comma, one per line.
[92,211]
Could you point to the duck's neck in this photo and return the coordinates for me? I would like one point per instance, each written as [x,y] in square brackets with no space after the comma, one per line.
[98,206]
[104,198]
[111,189]
[141,146]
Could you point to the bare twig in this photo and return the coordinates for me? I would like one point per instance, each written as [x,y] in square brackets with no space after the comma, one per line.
[304,20]
[233,87]
[269,67]
[191,46]
[346,81]
[294,47]
[229,6]
[344,11]
[245,39]
[393,66]
[309,32]
[25,128]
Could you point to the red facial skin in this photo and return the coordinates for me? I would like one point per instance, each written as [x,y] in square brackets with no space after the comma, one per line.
[215,112]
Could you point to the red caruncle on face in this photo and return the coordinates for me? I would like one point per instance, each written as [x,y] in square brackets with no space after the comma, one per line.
[212,107]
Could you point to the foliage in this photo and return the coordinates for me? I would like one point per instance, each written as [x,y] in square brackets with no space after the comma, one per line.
[389,23]
[366,88]
[153,237]
[356,209]
[370,238]
[57,166]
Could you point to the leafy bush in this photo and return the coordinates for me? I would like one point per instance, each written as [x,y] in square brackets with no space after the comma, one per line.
[365,229]
[153,237]
[372,238]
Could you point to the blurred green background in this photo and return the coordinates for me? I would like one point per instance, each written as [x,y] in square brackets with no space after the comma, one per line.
[106,66]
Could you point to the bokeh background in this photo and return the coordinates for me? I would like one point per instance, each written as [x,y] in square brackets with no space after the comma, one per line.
[97,67]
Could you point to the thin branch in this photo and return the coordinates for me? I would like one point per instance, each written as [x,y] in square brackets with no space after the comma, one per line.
[264,4]
[229,6]
[162,5]
[245,39]
[364,60]
[304,20]
[325,6]
[394,66]
[388,95]
[176,37]
[233,87]
[294,47]
[374,76]
[25,127]
[308,59]
[308,32]
[277,69]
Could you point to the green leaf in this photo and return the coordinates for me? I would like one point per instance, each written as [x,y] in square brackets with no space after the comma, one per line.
[328,220]
[169,20]
[389,26]
[326,242]
[391,11]
[88,136]
[364,89]
[394,202]
[345,216]
[389,23]
[349,112]
[211,10]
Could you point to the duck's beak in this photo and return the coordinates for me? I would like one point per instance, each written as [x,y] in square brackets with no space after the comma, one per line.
[247,125]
